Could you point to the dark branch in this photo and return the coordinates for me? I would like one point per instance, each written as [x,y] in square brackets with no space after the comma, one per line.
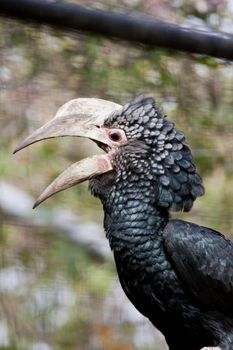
[110,24]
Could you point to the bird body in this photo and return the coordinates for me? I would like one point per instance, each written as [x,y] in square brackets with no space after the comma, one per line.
[177,274]
[150,253]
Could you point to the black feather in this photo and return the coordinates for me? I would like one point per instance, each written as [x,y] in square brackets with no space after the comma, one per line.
[177,274]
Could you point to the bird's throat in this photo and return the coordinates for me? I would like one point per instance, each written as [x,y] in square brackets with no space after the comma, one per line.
[131,218]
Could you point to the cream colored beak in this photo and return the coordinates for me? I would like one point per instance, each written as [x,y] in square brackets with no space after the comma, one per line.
[81,118]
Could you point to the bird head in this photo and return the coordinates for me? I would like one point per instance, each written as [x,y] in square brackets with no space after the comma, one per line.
[140,144]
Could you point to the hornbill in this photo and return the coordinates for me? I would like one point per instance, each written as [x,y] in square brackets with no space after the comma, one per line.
[176,273]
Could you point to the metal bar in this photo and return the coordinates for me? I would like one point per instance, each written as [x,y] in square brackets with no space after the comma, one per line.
[138,29]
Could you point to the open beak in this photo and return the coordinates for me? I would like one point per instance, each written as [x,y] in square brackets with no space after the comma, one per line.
[82,117]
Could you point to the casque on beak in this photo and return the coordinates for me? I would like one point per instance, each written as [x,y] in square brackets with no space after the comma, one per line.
[83,117]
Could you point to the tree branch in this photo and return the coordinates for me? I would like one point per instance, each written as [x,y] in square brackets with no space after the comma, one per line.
[17,204]
[130,28]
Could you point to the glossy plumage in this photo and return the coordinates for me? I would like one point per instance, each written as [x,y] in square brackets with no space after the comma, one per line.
[178,274]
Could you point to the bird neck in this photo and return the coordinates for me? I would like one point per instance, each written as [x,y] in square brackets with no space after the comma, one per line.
[132,217]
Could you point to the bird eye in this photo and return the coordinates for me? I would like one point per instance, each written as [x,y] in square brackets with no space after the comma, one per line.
[115,136]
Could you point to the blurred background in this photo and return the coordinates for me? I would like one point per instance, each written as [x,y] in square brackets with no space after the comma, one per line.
[58,284]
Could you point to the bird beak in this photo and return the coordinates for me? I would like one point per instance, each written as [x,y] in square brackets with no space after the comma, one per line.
[82,117]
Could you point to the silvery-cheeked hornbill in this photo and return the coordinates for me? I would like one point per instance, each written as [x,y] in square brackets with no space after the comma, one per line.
[176,273]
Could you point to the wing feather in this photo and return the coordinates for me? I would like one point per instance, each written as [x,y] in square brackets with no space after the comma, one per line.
[204,260]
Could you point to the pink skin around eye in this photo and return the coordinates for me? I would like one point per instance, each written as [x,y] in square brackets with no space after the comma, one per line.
[114,137]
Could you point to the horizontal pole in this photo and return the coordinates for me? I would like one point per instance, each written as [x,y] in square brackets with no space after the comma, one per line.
[138,29]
